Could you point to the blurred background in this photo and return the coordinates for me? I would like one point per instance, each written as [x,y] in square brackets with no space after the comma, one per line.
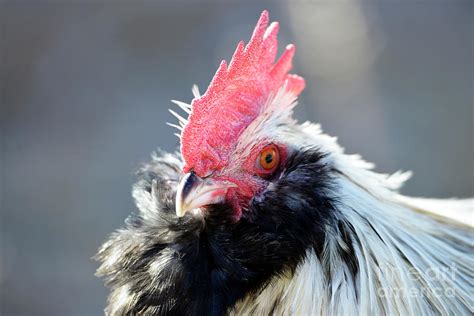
[85,87]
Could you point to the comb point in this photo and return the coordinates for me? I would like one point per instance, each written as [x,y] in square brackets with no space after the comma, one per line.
[219,78]
[255,44]
[284,64]
[271,31]
[237,58]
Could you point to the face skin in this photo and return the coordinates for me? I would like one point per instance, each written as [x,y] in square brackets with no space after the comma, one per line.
[245,177]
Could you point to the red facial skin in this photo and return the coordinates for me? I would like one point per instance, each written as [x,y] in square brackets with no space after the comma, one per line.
[251,179]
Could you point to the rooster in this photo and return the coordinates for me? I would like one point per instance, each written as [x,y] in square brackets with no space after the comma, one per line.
[261,215]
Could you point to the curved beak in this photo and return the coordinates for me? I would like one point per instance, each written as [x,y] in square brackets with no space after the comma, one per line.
[194,192]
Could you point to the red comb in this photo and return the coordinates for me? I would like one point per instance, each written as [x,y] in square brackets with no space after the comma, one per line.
[235,97]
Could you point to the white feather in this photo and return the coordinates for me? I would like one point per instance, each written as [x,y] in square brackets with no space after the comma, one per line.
[195,90]
[180,128]
[182,105]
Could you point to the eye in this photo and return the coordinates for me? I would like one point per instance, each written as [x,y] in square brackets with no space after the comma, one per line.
[268,160]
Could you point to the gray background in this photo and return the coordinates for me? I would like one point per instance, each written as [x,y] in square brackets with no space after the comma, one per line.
[85,88]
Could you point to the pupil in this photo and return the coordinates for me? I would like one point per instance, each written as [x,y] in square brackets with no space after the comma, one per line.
[268,158]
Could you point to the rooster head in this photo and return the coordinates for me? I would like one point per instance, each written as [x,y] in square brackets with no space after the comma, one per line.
[229,143]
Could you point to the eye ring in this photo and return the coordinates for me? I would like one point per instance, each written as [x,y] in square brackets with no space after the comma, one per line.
[268,160]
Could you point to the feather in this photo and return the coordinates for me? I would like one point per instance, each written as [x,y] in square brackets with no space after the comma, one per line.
[195,91]
[180,128]
[457,211]
[181,119]
[184,106]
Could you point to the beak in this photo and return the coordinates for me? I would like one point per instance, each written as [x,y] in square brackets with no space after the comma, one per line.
[194,192]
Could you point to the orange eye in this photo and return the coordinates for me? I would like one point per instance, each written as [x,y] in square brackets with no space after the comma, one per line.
[269,158]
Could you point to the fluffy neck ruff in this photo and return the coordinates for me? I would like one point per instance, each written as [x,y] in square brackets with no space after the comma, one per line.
[162,264]
[344,242]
